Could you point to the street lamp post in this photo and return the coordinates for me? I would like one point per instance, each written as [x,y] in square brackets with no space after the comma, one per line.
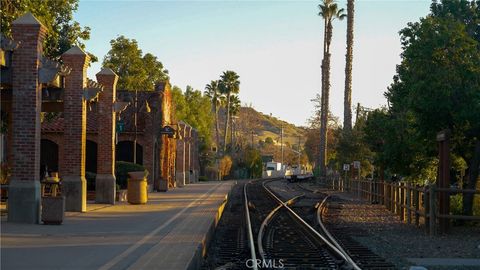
[135,123]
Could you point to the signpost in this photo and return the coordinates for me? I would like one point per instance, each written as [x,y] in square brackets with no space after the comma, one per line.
[168,130]
[346,168]
[356,165]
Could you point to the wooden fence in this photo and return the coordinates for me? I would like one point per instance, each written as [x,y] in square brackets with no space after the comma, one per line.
[412,203]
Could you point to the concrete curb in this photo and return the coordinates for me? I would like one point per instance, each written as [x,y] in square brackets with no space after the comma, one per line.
[197,259]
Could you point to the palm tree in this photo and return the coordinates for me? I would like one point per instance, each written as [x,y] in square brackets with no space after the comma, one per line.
[235,105]
[213,92]
[229,85]
[329,11]
[347,101]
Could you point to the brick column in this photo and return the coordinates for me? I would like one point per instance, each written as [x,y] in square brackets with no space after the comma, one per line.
[148,147]
[180,157]
[188,156]
[194,159]
[24,188]
[105,183]
[75,123]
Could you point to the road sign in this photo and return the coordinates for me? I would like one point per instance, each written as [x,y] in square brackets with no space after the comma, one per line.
[346,167]
[356,164]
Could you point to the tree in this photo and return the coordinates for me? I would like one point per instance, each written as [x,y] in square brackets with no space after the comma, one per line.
[212,91]
[235,105]
[312,142]
[136,72]
[229,85]
[56,16]
[225,165]
[437,85]
[154,70]
[329,11]
[194,109]
[347,101]
[125,59]
[253,161]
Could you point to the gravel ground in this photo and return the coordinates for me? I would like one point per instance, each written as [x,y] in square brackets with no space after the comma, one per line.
[387,236]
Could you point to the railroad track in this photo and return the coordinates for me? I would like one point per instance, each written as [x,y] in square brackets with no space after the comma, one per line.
[364,257]
[329,209]
[258,230]
[280,237]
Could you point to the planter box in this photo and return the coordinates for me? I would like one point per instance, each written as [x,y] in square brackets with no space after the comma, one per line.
[53,210]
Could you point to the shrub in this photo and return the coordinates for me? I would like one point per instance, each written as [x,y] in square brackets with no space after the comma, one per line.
[202,178]
[225,166]
[122,169]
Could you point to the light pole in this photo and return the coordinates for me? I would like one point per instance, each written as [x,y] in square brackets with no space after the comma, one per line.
[135,123]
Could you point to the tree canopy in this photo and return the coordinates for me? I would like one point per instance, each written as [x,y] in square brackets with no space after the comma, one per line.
[136,71]
[56,16]
[194,109]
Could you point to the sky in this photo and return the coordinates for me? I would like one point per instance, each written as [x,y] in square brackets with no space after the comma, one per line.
[274,46]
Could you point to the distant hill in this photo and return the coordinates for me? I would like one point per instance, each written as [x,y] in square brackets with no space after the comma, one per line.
[265,126]
[269,126]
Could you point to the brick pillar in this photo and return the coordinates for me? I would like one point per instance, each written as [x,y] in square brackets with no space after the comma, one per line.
[180,157]
[195,156]
[75,123]
[105,183]
[24,188]
[148,148]
[188,156]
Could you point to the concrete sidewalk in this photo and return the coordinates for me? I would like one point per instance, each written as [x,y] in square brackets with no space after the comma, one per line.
[169,232]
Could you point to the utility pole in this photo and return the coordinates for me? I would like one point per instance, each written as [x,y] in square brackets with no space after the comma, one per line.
[281,143]
[299,166]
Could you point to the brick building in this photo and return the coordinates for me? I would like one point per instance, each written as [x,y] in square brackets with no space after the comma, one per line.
[54,116]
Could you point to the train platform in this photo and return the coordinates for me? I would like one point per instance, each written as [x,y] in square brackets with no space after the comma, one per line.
[170,232]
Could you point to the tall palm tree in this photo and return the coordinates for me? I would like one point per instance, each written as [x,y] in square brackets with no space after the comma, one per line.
[229,85]
[329,11]
[235,105]
[213,92]
[347,100]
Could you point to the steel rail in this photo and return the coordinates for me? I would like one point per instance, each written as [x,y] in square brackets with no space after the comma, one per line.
[320,209]
[264,226]
[341,254]
[251,243]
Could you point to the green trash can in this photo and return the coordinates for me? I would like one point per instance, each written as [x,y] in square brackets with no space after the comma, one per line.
[137,188]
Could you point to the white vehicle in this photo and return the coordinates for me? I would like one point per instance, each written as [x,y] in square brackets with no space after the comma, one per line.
[296,173]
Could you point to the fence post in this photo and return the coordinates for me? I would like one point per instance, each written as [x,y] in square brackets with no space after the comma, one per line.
[409,204]
[432,223]
[416,200]
[401,187]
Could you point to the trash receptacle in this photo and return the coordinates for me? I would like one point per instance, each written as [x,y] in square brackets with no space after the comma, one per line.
[137,188]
